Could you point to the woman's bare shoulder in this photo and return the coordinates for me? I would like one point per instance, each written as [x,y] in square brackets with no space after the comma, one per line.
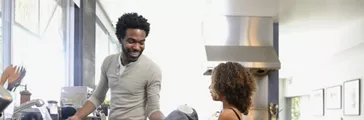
[228,114]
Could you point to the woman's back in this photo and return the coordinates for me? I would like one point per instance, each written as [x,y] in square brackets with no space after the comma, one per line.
[230,114]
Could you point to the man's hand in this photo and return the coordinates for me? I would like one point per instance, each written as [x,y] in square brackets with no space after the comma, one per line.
[84,111]
[74,117]
[157,116]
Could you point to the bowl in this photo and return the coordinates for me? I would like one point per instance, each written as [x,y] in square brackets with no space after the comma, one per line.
[5,99]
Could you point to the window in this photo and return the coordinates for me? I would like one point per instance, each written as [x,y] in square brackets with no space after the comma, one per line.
[1,43]
[27,14]
[42,56]
[105,46]
[34,15]
[1,38]
[102,51]
[47,9]
[1,4]
[114,46]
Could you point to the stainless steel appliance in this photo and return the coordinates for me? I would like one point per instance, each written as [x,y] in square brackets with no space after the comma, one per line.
[75,95]
[25,112]
[73,98]
[248,40]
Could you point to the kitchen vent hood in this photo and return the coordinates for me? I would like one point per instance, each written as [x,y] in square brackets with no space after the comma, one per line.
[243,39]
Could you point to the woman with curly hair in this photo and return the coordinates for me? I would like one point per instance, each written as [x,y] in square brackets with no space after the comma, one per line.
[233,85]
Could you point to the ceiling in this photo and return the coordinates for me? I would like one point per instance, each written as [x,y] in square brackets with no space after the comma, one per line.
[196,8]
[152,8]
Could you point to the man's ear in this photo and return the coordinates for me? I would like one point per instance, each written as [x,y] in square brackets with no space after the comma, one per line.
[120,41]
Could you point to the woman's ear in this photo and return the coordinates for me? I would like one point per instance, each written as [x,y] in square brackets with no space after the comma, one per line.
[215,95]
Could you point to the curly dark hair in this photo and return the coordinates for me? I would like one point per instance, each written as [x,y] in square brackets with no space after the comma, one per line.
[131,20]
[236,84]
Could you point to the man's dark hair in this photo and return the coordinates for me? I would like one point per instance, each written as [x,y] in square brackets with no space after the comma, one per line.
[131,21]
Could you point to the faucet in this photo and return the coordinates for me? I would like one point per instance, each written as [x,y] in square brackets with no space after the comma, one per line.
[36,102]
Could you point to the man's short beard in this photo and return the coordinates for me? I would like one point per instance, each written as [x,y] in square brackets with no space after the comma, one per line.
[126,56]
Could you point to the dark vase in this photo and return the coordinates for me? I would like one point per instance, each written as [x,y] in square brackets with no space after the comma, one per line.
[105,109]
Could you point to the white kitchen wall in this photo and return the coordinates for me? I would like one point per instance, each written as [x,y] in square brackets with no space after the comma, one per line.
[321,44]
[243,7]
[283,115]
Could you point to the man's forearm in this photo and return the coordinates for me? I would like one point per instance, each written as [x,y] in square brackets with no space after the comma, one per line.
[157,115]
[87,108]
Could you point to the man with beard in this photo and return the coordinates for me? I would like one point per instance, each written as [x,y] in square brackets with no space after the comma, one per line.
[134,80]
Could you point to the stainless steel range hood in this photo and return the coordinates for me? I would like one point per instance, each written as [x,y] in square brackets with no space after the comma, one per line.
[244,39]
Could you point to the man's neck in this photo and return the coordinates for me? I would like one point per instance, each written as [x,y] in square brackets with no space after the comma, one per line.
[124,61]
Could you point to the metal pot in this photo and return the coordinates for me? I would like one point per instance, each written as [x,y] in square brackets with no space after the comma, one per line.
[5,99]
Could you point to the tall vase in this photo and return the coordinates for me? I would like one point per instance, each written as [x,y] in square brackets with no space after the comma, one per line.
[273,111]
